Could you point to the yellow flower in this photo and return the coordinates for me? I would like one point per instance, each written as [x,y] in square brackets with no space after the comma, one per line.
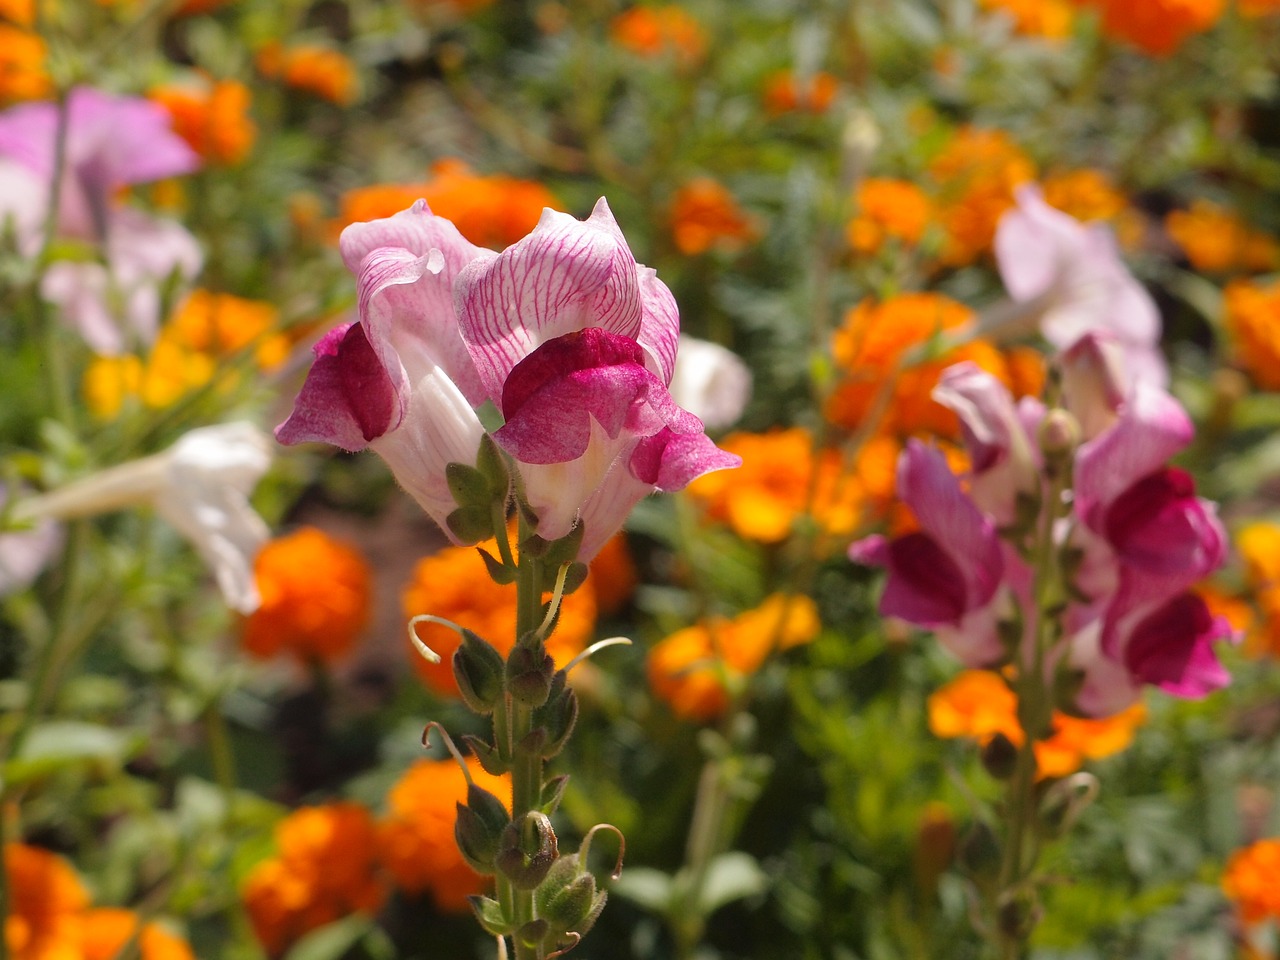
[695,670]
[455,584]
[416,841]
[316,597]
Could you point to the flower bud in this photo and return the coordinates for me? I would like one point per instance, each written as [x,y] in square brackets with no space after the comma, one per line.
[479,829]
[999,757]
[568,899]
[979,854]
[530,670]
[1017,915]
[479,671]
[1058,436]
[557,716]
[527,850]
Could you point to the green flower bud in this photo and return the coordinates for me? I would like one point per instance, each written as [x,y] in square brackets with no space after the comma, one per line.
[1000,757]
[529,673]
[527,850]
[479,670]
[479,829]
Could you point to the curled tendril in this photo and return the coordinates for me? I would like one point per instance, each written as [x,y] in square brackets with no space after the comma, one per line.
[449,745]
[544,630]
[426,652]
[585,847]
[574,940]
[596,648]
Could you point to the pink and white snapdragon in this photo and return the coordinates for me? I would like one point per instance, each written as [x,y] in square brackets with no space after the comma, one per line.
[571,340]
[110,142]
[1128,537]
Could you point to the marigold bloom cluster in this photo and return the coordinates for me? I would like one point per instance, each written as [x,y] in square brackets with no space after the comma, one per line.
[1217,240]
[455,584]
[785,92]
[324,869]
[204,331]
[1253,323]
[22,65]
[705,215]
[698,670]
[1050,19]
[213,117]
[1157,27]
[1252,880]
[1086,194]
[1258,8]
[977,173]
[783,478]
[50,917]
[490,211]
[658,31]
[887,210]
[316,595]
[978,704]
[416,839]
[320,71]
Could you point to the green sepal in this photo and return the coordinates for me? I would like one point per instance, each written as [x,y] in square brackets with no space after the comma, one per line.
[499,572]
[552,794]
[479,829]
[468,485]
[488,756]
[532,933]
[527,850]
[557,716]
[530,670]
[471,524]
[490,915]
[491,464]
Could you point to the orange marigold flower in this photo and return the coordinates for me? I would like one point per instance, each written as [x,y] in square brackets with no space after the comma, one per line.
[1050,19]
[784,92]
[220,324]
[1216,240]
[1157,27]
[46,904]
[325,869]
[1253,322]
[490,211]
[977,172]
[106,931]
[21,12]
[22,65]
[1258,8]
[697,670]
[1252,880]
[455,584]
[416,840]
[887,209]
[213,118]
[1239,614]
[322,71]
[776,484]
[1085,194]
[978,704]
[316,597]
[704,214]
[658,31]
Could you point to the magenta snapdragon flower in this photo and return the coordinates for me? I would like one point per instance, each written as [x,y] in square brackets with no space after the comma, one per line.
[1137,535]
[571,341]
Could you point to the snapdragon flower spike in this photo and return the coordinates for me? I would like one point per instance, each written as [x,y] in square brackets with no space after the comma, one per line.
[953,565]
[570,338]
[1075,273]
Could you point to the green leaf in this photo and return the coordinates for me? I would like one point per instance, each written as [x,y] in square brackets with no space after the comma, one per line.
[333,940]
[651,889]
[60,743]
[732,876]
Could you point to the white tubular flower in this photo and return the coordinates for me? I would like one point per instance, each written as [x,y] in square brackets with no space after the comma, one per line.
[200,485]
[711,382]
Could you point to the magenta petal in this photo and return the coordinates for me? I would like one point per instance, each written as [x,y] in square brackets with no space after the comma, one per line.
[1172,648]
[565,276]
[1159,526]
[925,586]
[348,398]
[872,551]
[1152,427]
[671,461]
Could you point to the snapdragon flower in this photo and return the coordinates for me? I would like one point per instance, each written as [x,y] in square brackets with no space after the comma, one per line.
[569,339]
[110,142]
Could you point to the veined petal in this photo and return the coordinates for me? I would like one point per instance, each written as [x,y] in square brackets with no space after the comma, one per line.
[1160,527]
[565,276]
[671,461]
[348,398]
[659,324]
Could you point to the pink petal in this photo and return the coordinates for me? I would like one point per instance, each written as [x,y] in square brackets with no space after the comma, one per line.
[1032,242]
[671,461]
[348,398]
[1159,526]
[1172,648]
[925,585]
[659,324]
[565,276]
